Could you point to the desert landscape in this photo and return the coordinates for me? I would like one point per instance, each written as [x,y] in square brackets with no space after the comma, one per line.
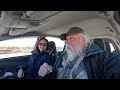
[10,50]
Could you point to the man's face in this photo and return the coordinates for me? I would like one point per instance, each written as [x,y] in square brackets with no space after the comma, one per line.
[73,41]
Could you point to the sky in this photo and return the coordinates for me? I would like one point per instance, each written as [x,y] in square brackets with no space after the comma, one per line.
[28,42]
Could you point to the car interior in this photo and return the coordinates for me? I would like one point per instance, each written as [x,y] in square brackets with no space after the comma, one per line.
[103,27]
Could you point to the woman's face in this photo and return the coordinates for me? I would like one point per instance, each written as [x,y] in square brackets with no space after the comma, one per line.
[42,45]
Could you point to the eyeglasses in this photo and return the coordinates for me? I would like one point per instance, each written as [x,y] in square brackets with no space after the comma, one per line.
[44,44]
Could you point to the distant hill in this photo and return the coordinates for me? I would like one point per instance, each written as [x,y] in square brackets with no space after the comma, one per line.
[7,50]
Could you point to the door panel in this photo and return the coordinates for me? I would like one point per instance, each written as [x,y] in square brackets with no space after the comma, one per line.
[10,64]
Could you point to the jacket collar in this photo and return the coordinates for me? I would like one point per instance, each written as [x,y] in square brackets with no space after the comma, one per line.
[94,49]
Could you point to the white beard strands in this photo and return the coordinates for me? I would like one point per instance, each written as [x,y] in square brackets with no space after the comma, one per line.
[78,52]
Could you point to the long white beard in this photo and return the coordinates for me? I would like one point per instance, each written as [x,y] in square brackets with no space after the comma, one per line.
[78,52]
[71,56]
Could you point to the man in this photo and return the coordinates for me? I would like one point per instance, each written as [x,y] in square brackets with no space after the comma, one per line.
[83,60]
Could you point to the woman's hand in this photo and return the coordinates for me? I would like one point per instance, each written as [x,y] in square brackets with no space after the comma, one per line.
[20,73]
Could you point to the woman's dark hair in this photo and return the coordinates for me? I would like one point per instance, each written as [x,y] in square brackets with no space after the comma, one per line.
[36,49]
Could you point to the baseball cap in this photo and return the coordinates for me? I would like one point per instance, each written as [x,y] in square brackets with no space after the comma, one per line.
[73,30]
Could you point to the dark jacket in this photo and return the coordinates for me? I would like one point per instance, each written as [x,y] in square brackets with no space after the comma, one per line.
[99,64]
[35,61]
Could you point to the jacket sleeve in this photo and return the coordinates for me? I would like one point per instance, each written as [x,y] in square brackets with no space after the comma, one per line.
[111,65]
[30,61]
[47,59]
[24,66]
[28,68]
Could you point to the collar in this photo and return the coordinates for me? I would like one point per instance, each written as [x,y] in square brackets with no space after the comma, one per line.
[94,49]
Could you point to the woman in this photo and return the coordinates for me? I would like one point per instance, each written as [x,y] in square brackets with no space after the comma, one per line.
[39,57]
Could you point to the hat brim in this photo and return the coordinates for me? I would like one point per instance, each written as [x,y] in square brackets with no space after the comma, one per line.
[63,36]
[73,30]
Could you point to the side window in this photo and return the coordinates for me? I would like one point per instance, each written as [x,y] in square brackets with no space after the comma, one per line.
[17,46]
[112,48]
[106,45]
[59,43]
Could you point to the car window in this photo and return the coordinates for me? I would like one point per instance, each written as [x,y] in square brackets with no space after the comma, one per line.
[112,48]
[59,43]
[17,46]
[106,45]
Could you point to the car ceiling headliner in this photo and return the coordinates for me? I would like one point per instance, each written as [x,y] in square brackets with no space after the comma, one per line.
[53,23]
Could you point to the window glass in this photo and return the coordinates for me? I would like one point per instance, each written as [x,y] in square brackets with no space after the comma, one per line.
[59,43]
[111,47]
[17,46]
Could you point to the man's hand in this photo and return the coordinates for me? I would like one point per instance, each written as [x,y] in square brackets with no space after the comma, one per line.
[44,69]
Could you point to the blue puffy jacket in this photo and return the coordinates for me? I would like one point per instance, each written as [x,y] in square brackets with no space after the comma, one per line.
[35,61]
